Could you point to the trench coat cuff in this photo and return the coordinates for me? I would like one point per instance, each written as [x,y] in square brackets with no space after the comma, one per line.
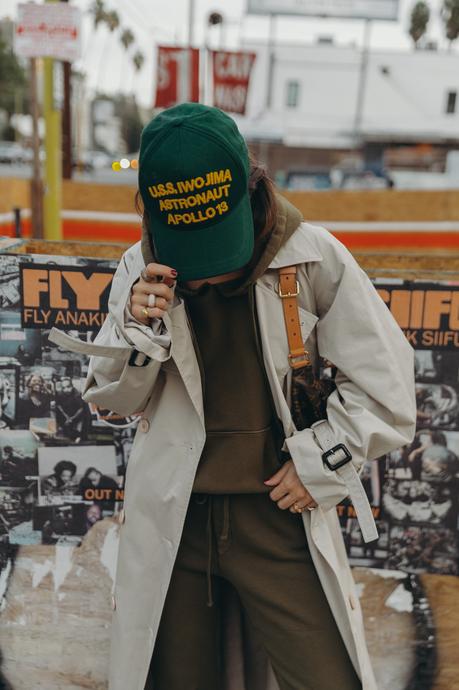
[324,485]
[126,394]
[153,341]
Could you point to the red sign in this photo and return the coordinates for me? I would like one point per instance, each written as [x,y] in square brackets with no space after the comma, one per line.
[178,76]
[231,75]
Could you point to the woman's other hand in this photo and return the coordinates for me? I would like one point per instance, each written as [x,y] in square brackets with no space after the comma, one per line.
[289,489]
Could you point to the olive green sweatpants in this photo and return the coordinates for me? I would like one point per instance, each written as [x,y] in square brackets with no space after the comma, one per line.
[262,551]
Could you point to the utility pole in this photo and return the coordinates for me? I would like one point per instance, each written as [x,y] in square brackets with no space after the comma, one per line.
[362,84]
[271,60]
[191,15]
[67,121]
[53,147]
[36,182]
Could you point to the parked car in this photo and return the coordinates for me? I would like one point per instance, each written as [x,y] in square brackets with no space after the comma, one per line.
[11,152]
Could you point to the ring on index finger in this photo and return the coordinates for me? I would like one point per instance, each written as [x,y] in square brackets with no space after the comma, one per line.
[151,300]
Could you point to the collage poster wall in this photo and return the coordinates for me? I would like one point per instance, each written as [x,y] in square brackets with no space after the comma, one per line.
[62,462]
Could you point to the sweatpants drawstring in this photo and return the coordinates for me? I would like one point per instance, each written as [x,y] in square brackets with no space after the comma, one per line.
[223,537]
[225,526]
[209,552]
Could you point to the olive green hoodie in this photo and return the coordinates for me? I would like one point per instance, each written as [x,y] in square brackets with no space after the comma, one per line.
[243,434]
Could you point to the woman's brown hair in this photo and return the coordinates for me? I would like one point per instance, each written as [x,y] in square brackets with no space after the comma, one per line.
[262,201]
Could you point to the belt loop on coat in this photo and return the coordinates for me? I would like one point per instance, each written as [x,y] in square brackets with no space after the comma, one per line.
[209,552]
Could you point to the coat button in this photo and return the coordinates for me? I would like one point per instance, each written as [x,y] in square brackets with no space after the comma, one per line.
[121,516]
[113,602]
[144,425]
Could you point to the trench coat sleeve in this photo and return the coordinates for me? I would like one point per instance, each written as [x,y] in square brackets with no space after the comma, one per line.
[116,383]
[373,409]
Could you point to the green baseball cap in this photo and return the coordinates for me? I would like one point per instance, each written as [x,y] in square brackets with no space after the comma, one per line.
[193,179]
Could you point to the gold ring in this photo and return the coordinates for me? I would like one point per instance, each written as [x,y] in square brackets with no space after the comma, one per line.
[297,508]
[145,312]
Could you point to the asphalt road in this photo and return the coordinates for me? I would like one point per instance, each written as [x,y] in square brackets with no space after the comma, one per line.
[105,176]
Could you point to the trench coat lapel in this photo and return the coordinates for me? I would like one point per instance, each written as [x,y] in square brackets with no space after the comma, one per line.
[184,356]
[296,250]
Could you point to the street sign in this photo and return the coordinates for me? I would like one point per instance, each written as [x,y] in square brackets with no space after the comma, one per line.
[49,30]
[349,9]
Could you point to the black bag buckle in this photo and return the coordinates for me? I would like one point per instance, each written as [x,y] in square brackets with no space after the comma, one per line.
[339,463]
[133,359]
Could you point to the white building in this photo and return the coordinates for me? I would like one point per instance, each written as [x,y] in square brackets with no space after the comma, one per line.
[409,99]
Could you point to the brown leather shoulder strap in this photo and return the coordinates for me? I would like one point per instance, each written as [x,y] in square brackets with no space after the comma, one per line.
[288,288]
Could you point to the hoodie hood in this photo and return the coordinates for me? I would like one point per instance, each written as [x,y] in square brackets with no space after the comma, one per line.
[288,220]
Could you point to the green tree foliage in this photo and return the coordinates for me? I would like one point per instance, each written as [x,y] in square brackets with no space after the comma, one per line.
[127,38]
[420,16]
[13,85]
[111,19]
[98,12]
[450,15]
[138,60]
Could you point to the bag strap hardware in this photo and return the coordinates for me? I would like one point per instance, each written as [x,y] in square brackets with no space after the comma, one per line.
[287,294]
[288,288]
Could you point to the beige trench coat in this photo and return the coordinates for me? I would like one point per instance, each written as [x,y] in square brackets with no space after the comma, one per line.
[372,412]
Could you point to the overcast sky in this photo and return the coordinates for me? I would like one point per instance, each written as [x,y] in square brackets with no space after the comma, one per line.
[108,67]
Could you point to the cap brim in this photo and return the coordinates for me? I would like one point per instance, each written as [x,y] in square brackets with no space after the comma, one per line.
[212,251]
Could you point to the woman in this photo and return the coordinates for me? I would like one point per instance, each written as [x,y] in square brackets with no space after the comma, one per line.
[62,481]
[36,401]
[226,502]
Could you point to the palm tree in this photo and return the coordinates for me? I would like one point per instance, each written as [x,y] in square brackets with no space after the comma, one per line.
[98,12]
[127,38]
[112,20]
[420,16]
[138,60]
[450,16]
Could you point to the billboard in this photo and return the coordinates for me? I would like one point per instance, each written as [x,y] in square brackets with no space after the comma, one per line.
[349,9]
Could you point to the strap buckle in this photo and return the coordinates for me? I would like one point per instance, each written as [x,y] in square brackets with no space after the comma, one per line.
[338,463]
[288,294]
[303,358]
[133,359]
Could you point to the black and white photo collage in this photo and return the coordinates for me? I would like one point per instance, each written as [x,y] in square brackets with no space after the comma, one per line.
[414,490]
[62,463]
